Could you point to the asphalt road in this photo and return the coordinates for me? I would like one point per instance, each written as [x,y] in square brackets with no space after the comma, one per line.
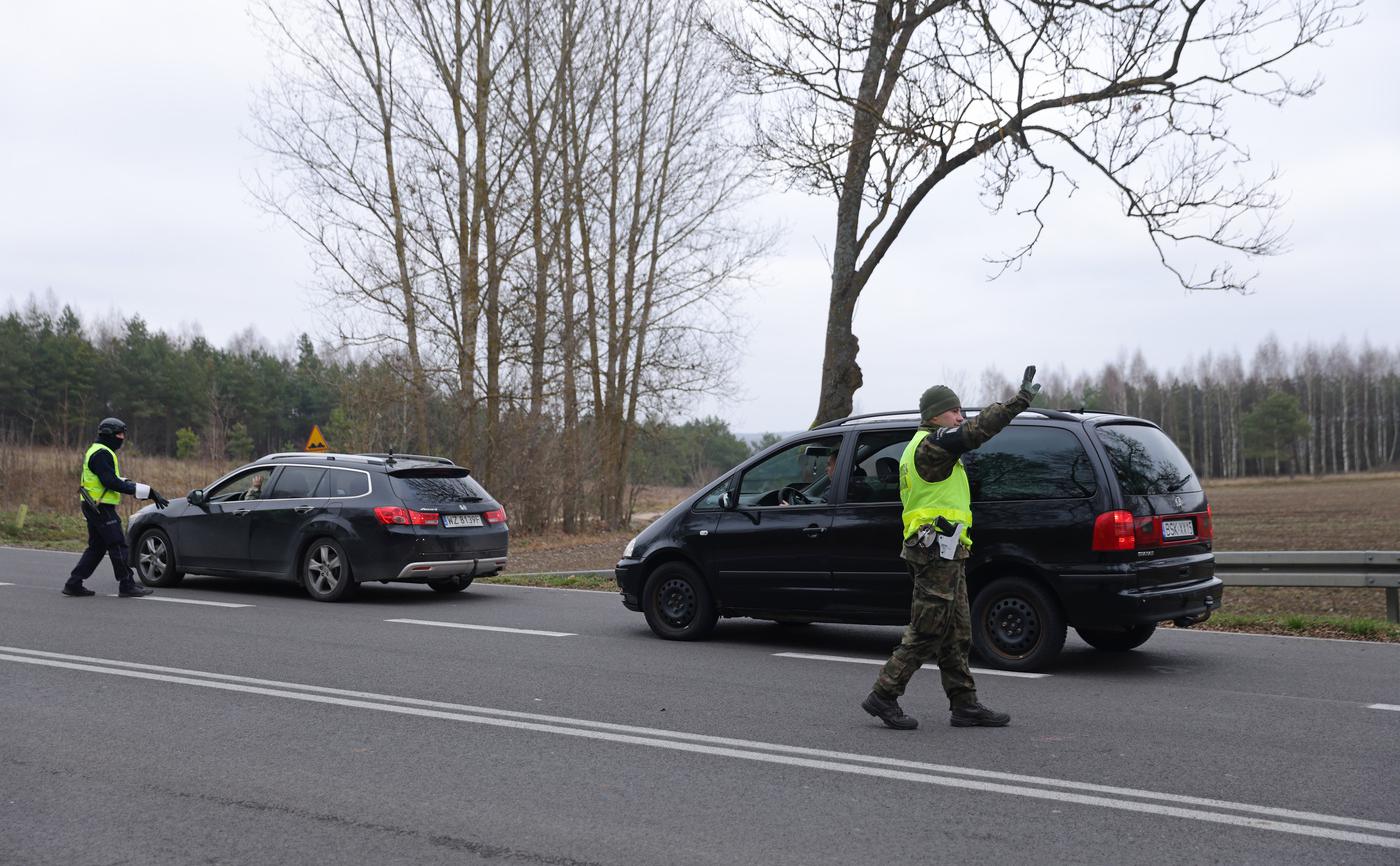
[267,728]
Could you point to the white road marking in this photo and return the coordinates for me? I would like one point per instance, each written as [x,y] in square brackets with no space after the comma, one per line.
[6,584]
[184,600]
[856,661]
[891,768]
[1395,707]
[485,627]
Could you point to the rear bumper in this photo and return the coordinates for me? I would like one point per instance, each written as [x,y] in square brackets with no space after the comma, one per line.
[1094,608]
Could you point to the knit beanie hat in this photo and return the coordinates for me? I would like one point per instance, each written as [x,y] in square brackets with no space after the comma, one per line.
[937,400]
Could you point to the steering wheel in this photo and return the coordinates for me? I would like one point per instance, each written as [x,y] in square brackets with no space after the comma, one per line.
[790,495]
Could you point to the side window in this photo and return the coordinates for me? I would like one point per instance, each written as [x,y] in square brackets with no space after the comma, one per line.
[296,482]
[342,483]
[875,470]
[248,485]
[797,475]
[1031,463]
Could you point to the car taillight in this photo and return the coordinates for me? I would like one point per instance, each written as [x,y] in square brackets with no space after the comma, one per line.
[394,515]
[1113,530]
[1205,527]
[497,516]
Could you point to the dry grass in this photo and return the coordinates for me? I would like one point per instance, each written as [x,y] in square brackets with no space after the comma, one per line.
[46,479]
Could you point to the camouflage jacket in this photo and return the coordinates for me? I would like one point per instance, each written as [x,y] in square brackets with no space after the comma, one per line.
[941,449]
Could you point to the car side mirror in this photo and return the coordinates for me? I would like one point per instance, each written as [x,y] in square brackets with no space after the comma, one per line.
[196,497]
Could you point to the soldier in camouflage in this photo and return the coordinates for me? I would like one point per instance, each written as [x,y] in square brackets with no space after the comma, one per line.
[934,490]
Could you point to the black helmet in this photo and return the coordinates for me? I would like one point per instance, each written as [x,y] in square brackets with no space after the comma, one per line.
[111,427]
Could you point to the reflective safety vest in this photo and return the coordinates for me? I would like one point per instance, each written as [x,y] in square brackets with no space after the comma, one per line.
[925,501]
[93,485]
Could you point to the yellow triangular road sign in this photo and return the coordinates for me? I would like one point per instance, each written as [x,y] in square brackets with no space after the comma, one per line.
[316,442]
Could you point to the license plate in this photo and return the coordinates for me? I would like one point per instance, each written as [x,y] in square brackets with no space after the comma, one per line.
[461,520]
[1178,529]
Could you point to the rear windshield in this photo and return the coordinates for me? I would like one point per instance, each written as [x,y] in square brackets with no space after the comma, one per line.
[431,485]
[1146,461]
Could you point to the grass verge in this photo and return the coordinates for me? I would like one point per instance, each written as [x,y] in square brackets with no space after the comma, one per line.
[1305,625]
[601,582]
[45,530]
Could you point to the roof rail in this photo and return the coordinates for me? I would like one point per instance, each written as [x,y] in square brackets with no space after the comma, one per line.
[1052,414]
[397,456]
[837,422]
[311,455]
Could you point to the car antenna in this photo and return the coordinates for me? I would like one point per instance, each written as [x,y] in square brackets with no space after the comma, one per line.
[390,460]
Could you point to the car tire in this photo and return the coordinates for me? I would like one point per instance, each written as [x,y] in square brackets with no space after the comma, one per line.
[1017,625]
[1117,640]
[325,571]
[155,560]
[451,584]
[677,604]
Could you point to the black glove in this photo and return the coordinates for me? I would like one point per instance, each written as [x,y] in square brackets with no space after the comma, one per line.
[1028,387]
[159,500]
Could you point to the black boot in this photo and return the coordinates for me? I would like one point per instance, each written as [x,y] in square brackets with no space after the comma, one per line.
[76,589]
[888,711]
[978,716]
[132,589]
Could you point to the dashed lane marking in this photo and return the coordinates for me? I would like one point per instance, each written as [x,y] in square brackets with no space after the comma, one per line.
[485,627]
[854,661]
[184,601]
[1393,707]
[2,583]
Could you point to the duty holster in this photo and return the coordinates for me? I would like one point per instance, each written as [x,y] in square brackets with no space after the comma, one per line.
[87,498]
[942,536]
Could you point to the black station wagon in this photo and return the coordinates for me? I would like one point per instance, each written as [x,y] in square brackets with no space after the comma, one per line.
[330,521]
[1082,519]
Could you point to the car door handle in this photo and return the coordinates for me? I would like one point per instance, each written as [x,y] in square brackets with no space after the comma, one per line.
[243,512]
[302,509]
[814,531]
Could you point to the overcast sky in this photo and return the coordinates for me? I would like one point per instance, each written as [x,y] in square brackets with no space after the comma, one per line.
[122,142]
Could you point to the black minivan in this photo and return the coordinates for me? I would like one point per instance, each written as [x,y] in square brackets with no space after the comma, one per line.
[1083,519]
[330,522]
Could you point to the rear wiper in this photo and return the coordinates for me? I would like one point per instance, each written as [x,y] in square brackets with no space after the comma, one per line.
[471,498]
[1180,484]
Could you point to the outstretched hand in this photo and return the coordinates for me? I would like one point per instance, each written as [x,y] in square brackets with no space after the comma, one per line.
[159,500]
[1028,384]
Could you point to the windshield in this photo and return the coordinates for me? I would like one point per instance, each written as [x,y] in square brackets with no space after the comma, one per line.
[1146,461]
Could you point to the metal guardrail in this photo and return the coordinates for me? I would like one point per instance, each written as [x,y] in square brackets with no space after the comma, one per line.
[1379,569]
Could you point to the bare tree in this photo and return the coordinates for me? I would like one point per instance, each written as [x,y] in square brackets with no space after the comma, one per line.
[331,119]
[877,103]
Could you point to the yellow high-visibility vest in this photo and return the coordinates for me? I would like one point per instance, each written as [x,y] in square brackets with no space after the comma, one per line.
[93,485]
[924,501]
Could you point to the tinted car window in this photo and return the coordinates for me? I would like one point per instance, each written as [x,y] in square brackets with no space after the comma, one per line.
[1146,460]
[805,467]
[1030,463]
[875,477]
[342,482]
[296,482]
[436,485]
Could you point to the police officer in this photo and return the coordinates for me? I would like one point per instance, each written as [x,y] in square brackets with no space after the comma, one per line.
[937,515]
[102,488]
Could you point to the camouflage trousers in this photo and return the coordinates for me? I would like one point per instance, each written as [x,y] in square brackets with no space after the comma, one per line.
[940,628]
